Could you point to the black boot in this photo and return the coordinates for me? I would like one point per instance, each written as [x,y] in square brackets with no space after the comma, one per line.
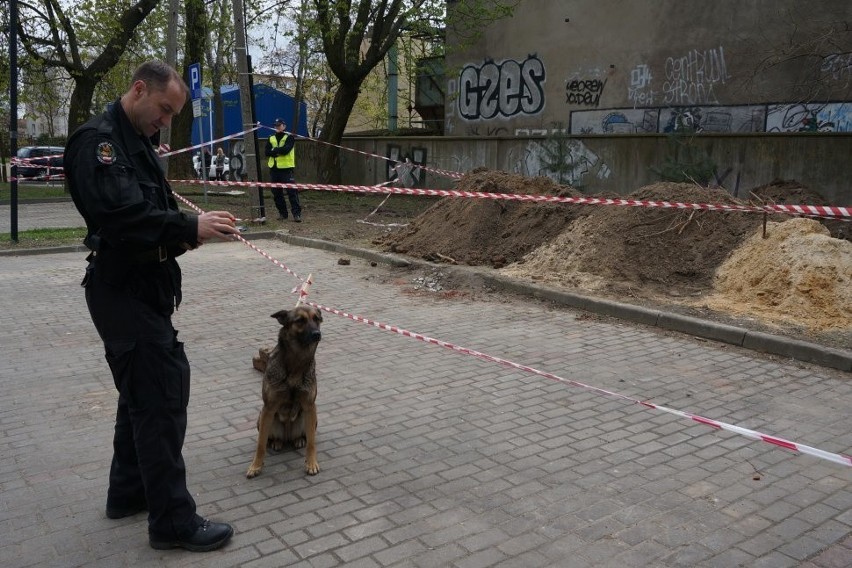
[208,536]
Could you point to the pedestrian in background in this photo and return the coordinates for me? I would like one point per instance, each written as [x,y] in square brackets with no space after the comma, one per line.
[280,148]
[133,285]
[220,163]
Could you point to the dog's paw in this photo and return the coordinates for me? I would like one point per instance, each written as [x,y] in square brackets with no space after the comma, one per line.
[277,445]
[300,442]
[312,468]
[253,472]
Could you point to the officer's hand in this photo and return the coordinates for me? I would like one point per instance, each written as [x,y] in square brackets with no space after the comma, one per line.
[215,224]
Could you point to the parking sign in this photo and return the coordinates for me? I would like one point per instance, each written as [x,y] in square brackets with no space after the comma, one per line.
[195,81]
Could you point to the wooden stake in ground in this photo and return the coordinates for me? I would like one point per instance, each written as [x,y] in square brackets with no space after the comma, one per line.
[303,291]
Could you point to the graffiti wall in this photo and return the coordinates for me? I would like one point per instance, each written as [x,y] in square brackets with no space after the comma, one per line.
[500,90]
[684,93]
[564,160]
[747,118]
[814,117]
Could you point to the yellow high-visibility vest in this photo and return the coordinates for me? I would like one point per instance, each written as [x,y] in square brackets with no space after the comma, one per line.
[279,161]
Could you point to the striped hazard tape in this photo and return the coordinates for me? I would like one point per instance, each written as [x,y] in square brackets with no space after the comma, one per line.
[748,433]
[754,435]
[825,211]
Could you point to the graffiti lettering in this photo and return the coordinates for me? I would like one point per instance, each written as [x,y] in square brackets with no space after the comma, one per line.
[505,89]
[404,168]
[838,66]
[584,92]
[640,83]
[691,79]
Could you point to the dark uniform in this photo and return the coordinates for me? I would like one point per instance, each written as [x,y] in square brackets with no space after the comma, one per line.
[133,285]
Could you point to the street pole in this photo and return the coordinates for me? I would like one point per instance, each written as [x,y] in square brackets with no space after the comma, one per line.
[13,116]
[246,96]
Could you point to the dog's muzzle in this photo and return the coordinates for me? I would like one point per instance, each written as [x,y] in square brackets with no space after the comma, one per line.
[311,337]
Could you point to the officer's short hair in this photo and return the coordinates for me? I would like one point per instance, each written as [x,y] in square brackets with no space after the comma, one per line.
[157,75]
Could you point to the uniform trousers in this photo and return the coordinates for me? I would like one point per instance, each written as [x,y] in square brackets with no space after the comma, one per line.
[151,373]
[285,176]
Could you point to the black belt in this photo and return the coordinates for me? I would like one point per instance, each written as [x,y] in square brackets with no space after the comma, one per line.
[159,254]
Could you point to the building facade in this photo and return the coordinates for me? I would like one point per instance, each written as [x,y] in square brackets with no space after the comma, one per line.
[657,66]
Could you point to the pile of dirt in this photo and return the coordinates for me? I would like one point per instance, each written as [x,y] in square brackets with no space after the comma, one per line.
[797,275]
[485,231]
[665,251]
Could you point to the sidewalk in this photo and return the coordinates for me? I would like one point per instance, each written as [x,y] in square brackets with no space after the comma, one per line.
[429,457]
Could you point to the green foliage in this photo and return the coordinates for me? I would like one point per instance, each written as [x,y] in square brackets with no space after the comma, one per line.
[556,155]
[686,161]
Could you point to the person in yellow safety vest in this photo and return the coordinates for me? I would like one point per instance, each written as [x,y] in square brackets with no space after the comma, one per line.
[280,148]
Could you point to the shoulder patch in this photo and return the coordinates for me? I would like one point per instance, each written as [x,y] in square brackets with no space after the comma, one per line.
[105,153]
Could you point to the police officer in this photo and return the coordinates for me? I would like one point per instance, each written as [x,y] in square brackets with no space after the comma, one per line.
[133,285]
[282,165]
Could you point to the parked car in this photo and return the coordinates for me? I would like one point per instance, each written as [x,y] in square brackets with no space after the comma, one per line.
[41,161]
[211,172]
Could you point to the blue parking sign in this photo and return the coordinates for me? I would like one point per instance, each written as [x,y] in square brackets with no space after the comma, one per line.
[195,81]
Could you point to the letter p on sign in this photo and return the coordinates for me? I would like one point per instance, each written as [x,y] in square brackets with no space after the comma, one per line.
[195,81]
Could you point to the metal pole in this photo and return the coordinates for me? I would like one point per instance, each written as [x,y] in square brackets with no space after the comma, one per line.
[393,81]
[246,100]
[253,115]
[13,115]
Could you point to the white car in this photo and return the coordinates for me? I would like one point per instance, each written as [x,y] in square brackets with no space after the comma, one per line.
[211,173]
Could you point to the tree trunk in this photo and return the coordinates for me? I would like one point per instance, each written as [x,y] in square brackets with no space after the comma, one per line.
[80,106]
[180,166]
[329,157]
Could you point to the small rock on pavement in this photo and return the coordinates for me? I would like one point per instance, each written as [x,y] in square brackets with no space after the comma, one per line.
[344,261]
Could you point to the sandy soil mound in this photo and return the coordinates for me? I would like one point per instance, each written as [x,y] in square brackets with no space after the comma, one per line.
[799,277]
[485,231]
[619,248]
[798,274]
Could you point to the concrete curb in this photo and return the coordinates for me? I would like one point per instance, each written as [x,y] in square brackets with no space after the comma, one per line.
[733,335]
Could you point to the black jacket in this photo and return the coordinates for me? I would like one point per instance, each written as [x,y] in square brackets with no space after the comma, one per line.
[118,186]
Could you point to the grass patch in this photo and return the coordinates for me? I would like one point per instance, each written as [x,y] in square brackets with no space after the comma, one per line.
[29,191]
[39,238]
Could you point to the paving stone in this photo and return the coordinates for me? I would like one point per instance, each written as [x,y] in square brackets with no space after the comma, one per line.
[429,457]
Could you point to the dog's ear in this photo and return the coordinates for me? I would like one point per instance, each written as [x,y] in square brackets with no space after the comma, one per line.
[282,316]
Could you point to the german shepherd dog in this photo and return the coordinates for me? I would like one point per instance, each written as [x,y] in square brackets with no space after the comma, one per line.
[289,413]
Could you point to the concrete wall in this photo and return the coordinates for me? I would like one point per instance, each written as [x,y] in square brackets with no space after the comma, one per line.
[610,66]
[617,163]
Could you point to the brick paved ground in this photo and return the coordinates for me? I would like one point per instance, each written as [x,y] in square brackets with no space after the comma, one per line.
[429,457]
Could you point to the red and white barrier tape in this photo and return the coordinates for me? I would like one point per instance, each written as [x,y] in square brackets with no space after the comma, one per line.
[208,143]
[56,177]
[444,173]
[246,242]
[825,211]
[754,435]
[35,162]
